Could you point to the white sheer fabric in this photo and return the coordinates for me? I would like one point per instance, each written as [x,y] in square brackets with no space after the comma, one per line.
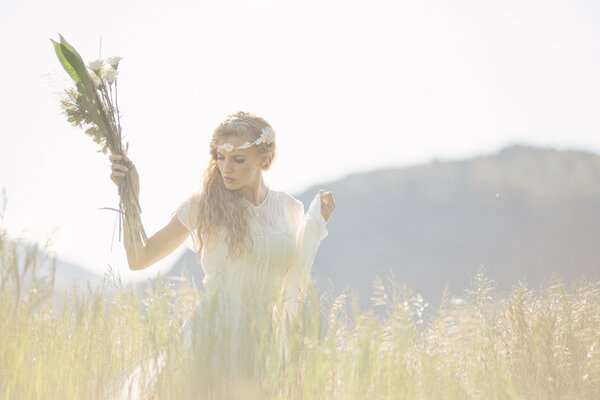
[266,282]
[286,240]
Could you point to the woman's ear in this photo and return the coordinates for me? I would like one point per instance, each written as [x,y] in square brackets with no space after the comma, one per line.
[263,160]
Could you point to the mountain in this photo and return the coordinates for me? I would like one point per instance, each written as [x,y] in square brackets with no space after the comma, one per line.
[523,213]
[69,274]
[30,271]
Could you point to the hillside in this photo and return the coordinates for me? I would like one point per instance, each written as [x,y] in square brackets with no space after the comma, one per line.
[522,213]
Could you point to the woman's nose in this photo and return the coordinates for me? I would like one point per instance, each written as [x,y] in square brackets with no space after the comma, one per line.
[227,166]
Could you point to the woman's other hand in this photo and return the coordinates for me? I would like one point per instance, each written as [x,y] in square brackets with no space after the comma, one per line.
[327,204]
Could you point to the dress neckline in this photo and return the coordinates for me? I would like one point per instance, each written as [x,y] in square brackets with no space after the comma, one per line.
[263,202]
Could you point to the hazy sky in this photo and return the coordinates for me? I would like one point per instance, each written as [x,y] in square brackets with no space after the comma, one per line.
[348,86]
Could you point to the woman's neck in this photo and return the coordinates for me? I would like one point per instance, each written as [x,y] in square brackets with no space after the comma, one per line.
[256,192]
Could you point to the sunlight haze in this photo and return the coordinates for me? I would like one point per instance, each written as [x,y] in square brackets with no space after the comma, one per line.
[348,87]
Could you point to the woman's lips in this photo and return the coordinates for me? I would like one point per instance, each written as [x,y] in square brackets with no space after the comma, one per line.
[228,179]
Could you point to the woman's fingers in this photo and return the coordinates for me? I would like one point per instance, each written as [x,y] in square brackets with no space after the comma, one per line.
[327,199]
[117,172]
[119,157]
[120,166]
[116,175]
[327,204]
[121,160]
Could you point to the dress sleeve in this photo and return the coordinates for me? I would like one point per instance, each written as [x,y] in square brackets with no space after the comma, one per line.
[311,229]
[187,213]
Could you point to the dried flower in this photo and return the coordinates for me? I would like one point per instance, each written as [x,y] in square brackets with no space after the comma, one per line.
[114,61]
[96,64]
[92,106]
[95,78]
[108,73]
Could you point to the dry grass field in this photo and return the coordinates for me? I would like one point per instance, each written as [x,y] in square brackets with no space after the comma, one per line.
[530,344]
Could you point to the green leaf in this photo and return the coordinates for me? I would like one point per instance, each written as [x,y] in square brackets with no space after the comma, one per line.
[58,49]
[75,67]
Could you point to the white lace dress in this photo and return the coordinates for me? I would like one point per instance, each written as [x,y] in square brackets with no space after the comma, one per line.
[262,283]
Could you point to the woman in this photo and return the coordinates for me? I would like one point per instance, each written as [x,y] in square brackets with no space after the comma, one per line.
[255,244]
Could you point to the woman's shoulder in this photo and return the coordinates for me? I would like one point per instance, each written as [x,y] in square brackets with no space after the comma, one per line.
[288,199]
[192,201]
[188,210]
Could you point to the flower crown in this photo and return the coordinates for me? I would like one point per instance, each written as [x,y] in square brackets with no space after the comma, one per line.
[267,136]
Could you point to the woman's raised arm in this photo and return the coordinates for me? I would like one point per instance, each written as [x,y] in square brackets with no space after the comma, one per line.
[163,242]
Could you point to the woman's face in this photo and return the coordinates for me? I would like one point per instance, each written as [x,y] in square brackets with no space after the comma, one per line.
[243,167]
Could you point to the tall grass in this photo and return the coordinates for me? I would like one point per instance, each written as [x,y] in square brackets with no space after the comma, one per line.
[531,344]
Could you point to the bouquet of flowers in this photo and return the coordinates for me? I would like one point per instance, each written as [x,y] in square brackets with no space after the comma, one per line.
[92,105]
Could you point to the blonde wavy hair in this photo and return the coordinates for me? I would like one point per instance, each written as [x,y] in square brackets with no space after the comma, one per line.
[221,208]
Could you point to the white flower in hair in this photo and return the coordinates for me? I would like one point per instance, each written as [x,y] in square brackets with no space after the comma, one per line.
[267,135]
[227,147]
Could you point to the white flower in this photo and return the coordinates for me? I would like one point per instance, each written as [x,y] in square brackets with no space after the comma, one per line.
[95,79]
[96,64]
[108,73]
[267,135]
[227,147]
[114,61]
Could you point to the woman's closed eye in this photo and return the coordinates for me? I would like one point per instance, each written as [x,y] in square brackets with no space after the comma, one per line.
[237,160]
